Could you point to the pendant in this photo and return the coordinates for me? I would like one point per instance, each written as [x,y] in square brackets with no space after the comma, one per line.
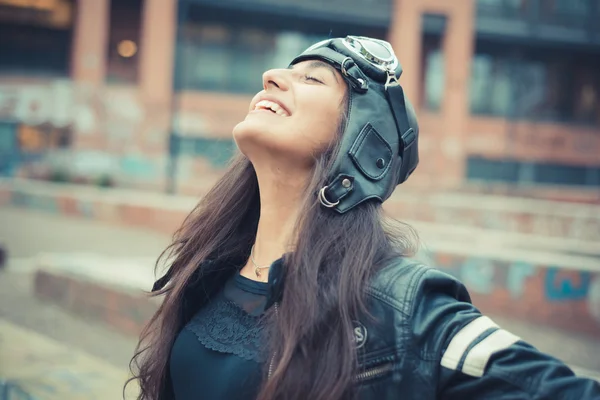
[257,272]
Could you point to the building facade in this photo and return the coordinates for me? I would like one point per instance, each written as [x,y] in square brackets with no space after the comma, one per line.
[146,92]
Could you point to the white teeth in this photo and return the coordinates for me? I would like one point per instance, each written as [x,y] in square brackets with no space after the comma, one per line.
[266,104]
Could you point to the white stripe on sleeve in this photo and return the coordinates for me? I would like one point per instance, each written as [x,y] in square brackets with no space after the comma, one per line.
[463,338]
[480,354]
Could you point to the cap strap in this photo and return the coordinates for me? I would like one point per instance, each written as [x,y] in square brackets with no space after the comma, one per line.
[396,99]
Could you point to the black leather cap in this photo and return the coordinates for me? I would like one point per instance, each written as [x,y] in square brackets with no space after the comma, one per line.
[379,146]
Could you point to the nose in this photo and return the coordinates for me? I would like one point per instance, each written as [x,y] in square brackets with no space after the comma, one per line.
[275,78]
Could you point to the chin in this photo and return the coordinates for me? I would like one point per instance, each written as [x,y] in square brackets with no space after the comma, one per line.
[246,132]
[252,139]
[257,141]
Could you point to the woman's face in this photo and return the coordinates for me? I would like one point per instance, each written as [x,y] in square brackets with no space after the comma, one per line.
[297,114]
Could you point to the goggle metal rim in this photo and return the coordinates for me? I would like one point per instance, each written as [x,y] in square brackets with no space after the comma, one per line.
[385,64]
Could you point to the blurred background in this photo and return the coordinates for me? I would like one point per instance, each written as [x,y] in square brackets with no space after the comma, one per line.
[116,116]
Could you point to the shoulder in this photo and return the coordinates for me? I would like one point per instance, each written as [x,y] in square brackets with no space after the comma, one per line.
[404,283]
[427,305]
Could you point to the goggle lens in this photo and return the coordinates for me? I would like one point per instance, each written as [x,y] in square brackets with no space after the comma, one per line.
[377,49]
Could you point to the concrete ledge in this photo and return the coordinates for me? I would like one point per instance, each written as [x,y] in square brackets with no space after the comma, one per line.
[504,214]
[165,213]
[553,295]
[531,286]
[125,309]
[124,207]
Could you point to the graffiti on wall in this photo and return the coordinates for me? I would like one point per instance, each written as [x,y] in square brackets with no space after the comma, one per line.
[478,275]
[62,103]
[484,276]
[57,119]
[563,284]
[48,117]
[518,273]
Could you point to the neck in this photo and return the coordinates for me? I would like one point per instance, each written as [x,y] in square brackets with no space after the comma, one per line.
[281,196]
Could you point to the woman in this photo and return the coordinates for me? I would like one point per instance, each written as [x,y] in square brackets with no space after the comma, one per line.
[287,283]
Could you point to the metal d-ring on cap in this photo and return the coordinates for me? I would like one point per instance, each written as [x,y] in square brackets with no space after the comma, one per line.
[343,66]
[324,200]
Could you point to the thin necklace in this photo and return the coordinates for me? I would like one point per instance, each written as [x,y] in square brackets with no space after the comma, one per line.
[256,267]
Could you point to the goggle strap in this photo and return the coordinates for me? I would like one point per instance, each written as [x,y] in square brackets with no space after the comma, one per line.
[396,99]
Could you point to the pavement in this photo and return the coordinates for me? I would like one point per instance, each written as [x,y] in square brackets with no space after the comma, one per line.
[89,360]
[46,369]
[34,334]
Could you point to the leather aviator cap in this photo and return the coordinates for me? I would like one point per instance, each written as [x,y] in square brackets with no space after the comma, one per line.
[379,145]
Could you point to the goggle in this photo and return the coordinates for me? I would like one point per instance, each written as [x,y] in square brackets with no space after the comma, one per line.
[377,53]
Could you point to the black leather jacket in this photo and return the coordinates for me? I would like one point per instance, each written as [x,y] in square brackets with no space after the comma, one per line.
[428,342]
[432,343]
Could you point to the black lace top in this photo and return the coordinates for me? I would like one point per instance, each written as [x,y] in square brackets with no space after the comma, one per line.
[219,353]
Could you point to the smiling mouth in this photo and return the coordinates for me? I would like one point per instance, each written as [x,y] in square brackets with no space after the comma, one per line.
[272,107]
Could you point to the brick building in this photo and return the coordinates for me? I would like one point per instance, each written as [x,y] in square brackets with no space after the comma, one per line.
[146,92]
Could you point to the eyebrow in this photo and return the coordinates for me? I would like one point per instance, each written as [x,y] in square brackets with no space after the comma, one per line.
[314,64]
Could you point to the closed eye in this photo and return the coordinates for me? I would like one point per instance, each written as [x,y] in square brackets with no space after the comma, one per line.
[312,78]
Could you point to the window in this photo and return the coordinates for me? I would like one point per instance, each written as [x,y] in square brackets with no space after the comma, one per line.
[204,50]
[9,150]
[123,41]
[566,7]
[512,171]
[565,13]
[35,39]
[555,85]
[227,50]
[503,8]
[218,57]
[561,174]
[433,72]
[586,95]
[490,89]
[217,151]
[492,170]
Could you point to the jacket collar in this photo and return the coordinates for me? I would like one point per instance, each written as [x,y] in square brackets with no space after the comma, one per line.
[212,273]
[276,281]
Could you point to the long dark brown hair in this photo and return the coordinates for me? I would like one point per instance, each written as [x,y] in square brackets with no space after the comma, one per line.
[334,256]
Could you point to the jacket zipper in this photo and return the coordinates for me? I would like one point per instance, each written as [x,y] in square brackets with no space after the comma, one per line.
[273,356]
[375,372]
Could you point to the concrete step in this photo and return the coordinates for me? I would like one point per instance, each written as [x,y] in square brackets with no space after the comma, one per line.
[47,353]
[552,289]
[162,212]
[35,367]
[123,305]
[521,276]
